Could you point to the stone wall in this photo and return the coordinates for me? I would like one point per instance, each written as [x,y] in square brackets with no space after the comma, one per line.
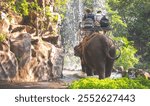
[24,56]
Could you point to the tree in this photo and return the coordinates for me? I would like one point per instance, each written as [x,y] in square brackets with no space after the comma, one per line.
[136,15]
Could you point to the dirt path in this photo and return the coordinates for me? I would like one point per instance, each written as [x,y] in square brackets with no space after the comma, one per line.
[33,85]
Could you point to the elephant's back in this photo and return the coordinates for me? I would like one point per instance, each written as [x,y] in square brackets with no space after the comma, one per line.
[98,41]
[95,46]
[98,45]
[94,51]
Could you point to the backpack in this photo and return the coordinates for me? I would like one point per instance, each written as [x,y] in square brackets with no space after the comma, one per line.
[104,22]
[88,23]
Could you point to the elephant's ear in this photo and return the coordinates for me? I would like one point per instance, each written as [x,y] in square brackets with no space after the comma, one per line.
[113,46]
[77,51]
[109,56]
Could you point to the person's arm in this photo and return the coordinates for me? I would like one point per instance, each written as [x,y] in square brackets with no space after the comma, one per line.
[95,17]
[84,17]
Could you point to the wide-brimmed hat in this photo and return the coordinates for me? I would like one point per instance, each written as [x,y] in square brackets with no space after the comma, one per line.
[99,11]
[88,10]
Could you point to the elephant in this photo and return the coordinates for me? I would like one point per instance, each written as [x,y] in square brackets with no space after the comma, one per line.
[97,53]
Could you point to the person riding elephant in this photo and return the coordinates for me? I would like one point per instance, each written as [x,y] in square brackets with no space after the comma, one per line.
[88,14]
[88,19]
[97,53]
[104,22]
[98,17]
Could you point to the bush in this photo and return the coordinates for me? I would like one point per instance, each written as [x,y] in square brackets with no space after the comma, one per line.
[120,83]
[127,58]
[23,7]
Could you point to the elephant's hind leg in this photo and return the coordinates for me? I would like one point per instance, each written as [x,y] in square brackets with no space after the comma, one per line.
[110,62]
[108,67]
[101,70]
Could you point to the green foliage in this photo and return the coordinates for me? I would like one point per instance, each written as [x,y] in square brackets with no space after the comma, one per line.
[34,6]
[141,65]
[60,6]
[135,14]
[47,12]
[50,16]
[2,37]
[143,81]
[118,25]
[55,18]
[21,7]
[120,31]
[121,83]
[127,58]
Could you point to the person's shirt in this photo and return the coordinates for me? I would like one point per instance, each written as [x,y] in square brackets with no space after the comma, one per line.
[98,17]
[90,15]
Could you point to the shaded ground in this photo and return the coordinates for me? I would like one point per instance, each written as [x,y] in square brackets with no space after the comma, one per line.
[33,85]
[62,83]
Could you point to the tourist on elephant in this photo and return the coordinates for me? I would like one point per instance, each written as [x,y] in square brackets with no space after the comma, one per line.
[104,22]
[88,14]
[98,17]
[88,20]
